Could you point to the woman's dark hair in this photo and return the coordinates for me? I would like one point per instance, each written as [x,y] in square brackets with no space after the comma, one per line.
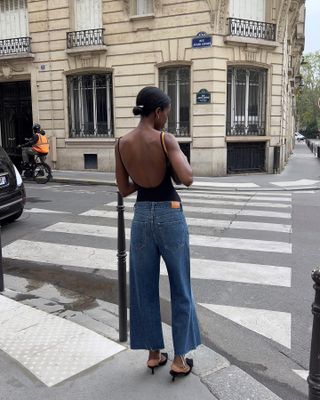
[149,99]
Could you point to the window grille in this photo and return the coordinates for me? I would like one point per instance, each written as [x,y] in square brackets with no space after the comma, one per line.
[246,101]
[90,105]
[176,83]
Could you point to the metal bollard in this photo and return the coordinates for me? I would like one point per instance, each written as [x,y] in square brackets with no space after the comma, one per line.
[122,273]
[314,370]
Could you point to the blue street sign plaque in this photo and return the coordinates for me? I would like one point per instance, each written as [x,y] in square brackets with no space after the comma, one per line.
[203,96]
[202,40]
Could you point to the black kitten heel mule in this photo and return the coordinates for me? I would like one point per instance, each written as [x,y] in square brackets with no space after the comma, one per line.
[160,364]
[186,362]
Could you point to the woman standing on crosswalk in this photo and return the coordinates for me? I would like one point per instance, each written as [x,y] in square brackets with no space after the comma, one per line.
[146,159]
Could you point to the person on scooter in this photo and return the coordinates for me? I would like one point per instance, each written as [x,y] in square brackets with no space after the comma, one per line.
[37,145]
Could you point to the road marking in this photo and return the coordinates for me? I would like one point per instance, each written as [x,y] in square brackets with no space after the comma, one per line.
[226,184]
[52,348]
[87,257]
[208,223]
[234,197]
[273,192]
[226,211]
[61,254]
[43,211]
[238,272]
[300,182]
[302,373]
[195,240]
[274,325]
[249,203]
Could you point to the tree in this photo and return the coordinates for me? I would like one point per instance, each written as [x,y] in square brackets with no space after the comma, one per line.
[309,94]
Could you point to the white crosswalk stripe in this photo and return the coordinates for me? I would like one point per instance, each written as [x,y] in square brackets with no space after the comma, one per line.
[223,211]
[235,197]
[214,209]
[88,257]
[209,223]
[195,240]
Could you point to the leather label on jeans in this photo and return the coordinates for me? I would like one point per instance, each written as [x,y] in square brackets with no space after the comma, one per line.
[175,204]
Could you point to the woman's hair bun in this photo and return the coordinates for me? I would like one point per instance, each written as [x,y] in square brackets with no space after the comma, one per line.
[137,110]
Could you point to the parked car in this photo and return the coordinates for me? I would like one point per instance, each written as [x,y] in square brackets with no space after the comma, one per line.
[299,137]
[12,192]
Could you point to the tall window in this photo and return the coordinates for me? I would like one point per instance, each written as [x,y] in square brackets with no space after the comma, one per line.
[13,19]
[90,105]
[88,14]
[246,101]
[248,9]
[144,7]
[176,83]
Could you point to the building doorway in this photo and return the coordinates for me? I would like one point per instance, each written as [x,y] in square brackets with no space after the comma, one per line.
[15,116]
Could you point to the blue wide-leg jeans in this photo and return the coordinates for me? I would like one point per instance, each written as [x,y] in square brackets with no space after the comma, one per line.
[157,230]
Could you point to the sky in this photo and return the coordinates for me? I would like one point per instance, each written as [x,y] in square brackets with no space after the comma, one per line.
[312,30]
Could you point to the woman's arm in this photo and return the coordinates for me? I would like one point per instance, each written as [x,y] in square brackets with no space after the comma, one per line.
[125,186]
[178,160]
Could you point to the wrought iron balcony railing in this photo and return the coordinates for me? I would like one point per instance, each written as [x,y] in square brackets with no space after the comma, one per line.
[252,29]
[240,128]
[89,37]
[20,45]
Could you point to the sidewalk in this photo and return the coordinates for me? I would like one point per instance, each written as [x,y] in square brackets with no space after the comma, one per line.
[76,369]
[302,172]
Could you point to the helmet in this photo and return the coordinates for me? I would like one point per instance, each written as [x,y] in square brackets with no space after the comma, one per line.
[36,127]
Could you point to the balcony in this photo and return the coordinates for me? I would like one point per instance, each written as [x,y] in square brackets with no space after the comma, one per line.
[251,32]
[86,41]
[15,48]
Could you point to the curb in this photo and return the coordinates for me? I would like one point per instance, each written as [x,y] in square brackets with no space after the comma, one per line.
[214,371]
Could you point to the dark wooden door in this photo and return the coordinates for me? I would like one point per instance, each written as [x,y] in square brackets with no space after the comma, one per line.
[15,116]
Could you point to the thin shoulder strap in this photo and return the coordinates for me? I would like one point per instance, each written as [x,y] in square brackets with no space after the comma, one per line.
[163,143]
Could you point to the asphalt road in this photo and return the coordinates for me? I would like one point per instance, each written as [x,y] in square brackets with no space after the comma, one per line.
[276,340]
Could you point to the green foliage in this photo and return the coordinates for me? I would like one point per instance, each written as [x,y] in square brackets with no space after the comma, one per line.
[309,94]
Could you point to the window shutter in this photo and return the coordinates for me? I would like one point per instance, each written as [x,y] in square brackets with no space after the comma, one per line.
[13,19]
[144,7]
[87,14]
[248,9]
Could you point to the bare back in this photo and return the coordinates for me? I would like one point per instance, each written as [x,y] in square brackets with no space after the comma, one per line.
[143,157]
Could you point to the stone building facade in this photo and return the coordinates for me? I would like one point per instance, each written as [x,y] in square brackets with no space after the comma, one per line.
[231,68]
